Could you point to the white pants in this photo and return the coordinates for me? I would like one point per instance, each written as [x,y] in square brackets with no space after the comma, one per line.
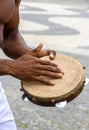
[6,117]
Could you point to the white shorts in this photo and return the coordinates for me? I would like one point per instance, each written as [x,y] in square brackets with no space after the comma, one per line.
[6,117]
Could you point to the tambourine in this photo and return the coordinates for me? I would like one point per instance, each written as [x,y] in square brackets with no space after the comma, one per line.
[65,88]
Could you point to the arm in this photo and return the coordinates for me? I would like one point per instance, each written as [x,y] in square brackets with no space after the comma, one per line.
[14,45]
[16,41]
[25,65]
[13,39]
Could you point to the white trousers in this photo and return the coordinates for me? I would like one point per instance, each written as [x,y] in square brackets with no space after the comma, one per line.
[6,117]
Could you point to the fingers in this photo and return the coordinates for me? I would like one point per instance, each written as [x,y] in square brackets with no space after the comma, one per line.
[49,74]
[40,53]
[50,66]
[51,69]
[52,55]
[46,62]
[37,49]
[43,80]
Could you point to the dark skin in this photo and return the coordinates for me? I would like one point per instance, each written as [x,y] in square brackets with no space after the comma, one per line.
[25,63]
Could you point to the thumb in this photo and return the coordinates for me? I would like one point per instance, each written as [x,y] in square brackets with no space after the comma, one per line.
[38,48]
[52,55]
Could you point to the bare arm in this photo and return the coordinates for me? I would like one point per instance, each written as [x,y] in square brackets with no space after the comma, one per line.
[14,45]
[25,64]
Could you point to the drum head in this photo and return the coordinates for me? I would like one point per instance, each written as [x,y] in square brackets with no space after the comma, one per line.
[65,88]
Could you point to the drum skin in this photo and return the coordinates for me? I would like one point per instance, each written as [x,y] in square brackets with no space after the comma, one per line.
[65,88]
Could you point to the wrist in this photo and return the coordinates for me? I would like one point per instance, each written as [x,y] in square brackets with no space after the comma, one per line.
[5,66]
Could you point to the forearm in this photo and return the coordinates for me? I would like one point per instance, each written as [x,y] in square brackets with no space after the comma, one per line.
[14,46]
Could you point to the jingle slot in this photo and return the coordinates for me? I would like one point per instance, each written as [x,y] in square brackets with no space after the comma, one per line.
[25,98]
[61,104]
[86,81]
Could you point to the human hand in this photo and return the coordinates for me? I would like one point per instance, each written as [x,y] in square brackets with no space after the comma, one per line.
[28,68]
[38,52]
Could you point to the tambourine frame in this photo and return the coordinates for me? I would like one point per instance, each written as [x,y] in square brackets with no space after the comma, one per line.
[52,102]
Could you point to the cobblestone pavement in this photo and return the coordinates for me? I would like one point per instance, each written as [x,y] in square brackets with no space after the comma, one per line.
[65,28]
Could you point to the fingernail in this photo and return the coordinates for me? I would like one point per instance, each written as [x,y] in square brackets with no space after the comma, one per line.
[58,66]
[51,56]
[62,71]
[52,83]
[60,74]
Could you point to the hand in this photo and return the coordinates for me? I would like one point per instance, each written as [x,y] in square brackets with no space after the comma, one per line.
[38,52]
[29,68]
